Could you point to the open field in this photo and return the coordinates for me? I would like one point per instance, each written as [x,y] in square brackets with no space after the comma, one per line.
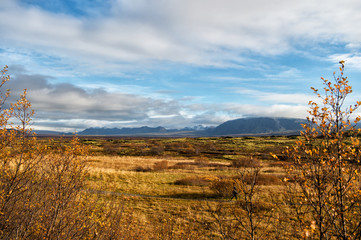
[179,188]
[147,173]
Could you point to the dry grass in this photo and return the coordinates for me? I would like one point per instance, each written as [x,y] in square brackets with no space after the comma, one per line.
[165,176]
[245,162]
[195,181]
[128,163]
[173,189]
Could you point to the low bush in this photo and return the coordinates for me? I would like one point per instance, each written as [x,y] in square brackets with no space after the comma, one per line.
[160,166]
[109,149]
[245,162]
[222,187]
[156,151]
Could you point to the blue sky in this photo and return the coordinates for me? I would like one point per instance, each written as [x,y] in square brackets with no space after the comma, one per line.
[174,63]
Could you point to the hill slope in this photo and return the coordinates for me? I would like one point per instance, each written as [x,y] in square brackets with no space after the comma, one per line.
[261,125]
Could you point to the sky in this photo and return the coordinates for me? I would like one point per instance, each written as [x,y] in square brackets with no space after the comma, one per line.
[174,63]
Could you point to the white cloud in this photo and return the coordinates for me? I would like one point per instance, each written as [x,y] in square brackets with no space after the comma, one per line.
[273,97]
[67,101]
[204,32]
[275,110]
[291,73]
[69,107]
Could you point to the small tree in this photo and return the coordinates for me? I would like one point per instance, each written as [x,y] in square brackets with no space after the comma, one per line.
[39,186]
[326,182]
[42,184]
[247,218]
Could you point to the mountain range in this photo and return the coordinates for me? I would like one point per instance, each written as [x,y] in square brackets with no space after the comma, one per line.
[261,125]
[237,127]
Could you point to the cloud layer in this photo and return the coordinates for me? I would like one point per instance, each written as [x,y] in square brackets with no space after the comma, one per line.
[55,103]
[197,32]
[201,62]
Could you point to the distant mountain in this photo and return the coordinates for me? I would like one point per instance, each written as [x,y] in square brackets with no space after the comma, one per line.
[49,133]
[240,127]
[194,128]
[261,125]
[122,131]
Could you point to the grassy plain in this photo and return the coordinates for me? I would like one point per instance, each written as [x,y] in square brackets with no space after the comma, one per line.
[181,188]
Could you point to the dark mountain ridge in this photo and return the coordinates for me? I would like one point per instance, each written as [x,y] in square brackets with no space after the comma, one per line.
[122,131]
[260,125]
[237,127]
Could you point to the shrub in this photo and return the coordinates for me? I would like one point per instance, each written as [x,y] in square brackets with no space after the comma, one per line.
[156,151]
[110,149]
[245,162]
[162,165]
[142,169]
[223,187]
[41,185]
[327,182]
[262,179]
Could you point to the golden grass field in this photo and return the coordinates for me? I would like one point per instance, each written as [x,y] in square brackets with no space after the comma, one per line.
[169,186]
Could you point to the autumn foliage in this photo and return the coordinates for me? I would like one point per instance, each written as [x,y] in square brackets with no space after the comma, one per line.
[42,183]
[324,182]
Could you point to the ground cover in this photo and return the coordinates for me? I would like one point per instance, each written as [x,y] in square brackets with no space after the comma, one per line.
[187,183]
